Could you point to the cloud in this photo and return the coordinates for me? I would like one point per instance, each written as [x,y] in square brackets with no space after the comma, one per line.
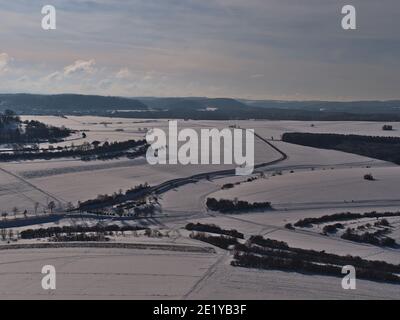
[123,73]
[23,79]
[4,62]
[80,66]
[53,76]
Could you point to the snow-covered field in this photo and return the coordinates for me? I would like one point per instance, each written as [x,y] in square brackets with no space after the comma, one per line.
[141,274]
[331,185]
[102,273]
[309,183]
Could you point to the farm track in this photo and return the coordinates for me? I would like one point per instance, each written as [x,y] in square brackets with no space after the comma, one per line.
[32,185]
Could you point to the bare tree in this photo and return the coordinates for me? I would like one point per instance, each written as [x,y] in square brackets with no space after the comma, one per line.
[119,211]
[15,211]
[10,234]
[3,234]
[51,206]
[70,206]
[36,207]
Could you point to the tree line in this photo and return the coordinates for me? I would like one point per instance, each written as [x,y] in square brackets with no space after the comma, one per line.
[269,254]
[212,228]
[68,230]
[229,206]
[116,198]
[382,148]
[345,216]
[86,151]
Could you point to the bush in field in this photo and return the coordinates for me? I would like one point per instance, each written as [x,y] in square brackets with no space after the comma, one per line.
[369,177]
[227,186]
[289,226]
[382,223]
[332,228]
[387,127]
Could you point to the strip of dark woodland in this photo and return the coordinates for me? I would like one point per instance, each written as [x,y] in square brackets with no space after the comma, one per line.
[382,148]
[107,245]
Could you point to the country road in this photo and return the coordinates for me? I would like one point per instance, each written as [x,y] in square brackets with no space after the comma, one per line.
[171,184]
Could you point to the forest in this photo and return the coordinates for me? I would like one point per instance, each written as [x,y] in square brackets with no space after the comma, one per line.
[382,148]
[13,130]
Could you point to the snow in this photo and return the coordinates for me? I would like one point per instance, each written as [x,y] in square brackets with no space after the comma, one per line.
[320,186]
[101,273]
[309,183]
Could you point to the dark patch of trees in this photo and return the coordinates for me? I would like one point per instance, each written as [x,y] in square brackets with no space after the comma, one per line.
[376,238]
[382,223]
[322,256]
[249,260]
[369,177]
[387,127]
[261,241]
[13,130]
[227,186]
[213,229]
[332,228]
[289,226]
[86,152]
[229,206]
[116,198]
[223,242]
[308,222]
[382,148]
[80,237]
[263,253]
[68,230]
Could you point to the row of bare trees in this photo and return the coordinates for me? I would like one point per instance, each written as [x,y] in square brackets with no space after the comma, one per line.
[51,206]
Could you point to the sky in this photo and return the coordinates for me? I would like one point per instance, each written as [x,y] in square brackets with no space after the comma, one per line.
[253,49]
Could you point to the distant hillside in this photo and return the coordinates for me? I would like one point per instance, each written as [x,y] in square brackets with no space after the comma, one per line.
[66,103]
[195,104]
[358,107]
[201,108]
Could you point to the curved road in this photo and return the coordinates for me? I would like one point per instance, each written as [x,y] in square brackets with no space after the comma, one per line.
[171,184]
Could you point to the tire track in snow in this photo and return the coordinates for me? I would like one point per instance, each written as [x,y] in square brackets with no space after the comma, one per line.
[59,200]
